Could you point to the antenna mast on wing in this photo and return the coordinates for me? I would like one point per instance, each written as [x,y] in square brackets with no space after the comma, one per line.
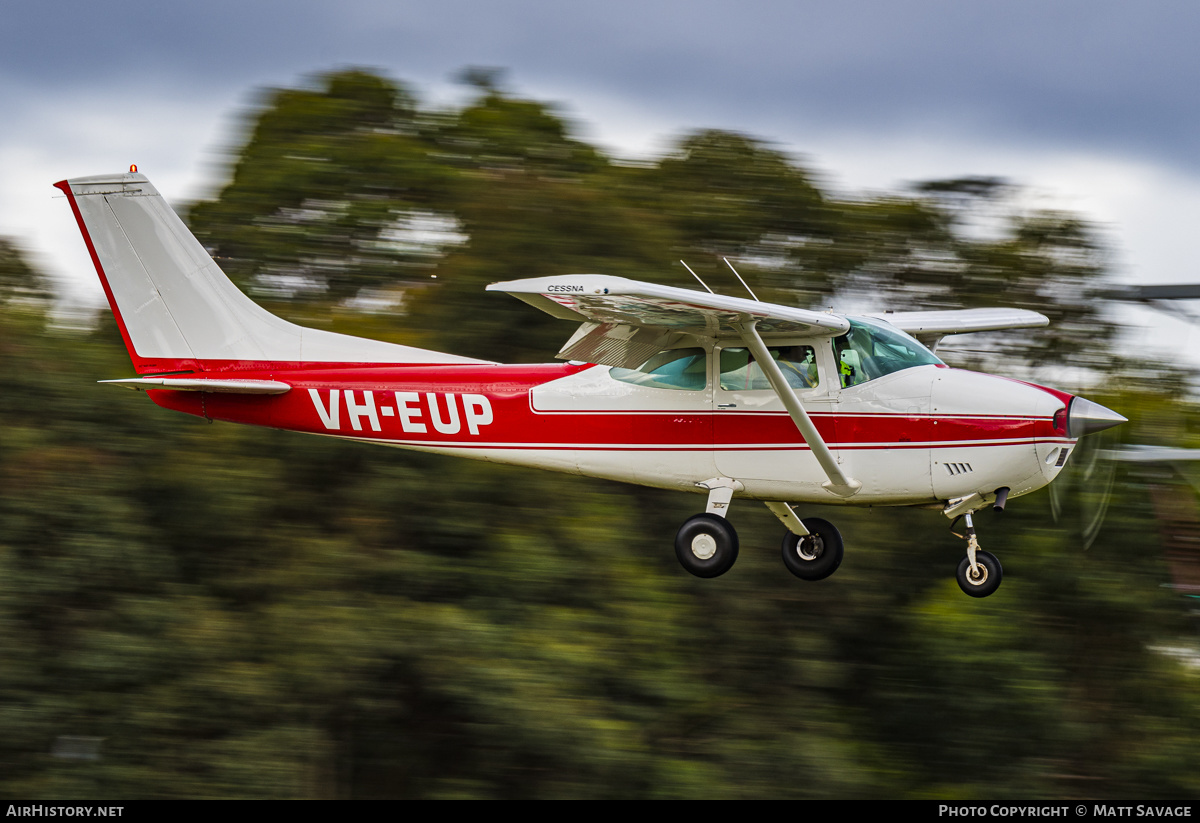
[702,283]
[739,277]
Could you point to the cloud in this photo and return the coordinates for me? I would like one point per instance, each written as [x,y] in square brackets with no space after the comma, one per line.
[1083,98]
[80,134]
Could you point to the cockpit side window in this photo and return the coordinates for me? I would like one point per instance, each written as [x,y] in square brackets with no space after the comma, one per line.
[739,372]
[679,369]
[870,350]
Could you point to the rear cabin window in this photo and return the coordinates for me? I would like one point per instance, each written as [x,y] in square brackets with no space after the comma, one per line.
[679,369]
[739,371]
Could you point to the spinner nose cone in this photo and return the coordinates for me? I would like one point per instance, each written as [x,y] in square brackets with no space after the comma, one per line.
[1086,417]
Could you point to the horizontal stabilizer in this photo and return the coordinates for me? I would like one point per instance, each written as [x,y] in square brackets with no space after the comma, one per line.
[221,386]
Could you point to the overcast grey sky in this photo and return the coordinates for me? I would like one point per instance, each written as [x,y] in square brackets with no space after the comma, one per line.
[1088,103]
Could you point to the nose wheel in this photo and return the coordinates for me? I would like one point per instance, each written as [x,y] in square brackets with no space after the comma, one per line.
[979,573]
[984,578]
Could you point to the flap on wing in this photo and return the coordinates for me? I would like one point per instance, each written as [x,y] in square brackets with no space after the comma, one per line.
[961,321]
[611,345]
[616,301]
[220,385]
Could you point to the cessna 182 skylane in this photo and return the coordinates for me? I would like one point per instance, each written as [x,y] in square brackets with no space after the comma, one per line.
[664,387]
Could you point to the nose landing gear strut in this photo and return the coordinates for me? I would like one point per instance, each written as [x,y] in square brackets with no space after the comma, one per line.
[979,573]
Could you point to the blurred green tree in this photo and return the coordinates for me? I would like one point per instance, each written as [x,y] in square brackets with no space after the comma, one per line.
[21,285]
[210,611]
[328,197]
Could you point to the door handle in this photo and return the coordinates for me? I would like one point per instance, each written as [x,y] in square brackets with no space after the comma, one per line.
[727,405]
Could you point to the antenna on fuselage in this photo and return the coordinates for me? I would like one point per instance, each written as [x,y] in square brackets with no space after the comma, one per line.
[739,277]
[702,283]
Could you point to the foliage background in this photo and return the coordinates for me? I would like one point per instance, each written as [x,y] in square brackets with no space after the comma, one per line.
[214,611]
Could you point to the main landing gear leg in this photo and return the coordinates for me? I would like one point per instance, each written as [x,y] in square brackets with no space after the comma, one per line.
[706,544]
[812,548]
[979,573]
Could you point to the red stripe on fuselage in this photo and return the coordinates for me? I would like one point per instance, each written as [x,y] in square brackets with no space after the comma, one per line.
[514,423]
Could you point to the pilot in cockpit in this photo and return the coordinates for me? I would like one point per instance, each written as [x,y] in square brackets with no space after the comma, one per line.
[849,361]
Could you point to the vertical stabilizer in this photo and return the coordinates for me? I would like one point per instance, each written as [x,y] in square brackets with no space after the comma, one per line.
[175,307]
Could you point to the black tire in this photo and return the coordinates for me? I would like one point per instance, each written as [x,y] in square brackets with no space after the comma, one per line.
[816,556]
[988,580]
[706,545]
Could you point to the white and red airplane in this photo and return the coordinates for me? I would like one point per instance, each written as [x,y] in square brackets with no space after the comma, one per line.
[664,387]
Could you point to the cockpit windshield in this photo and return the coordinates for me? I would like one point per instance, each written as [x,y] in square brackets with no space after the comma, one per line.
[872,349]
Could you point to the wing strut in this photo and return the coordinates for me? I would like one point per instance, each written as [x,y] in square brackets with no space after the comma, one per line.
[838,483]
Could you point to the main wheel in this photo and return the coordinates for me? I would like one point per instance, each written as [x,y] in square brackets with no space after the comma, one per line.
[815,556]
[986,578]
[706,545]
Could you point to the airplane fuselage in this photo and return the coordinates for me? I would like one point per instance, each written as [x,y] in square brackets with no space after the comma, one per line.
[915,437]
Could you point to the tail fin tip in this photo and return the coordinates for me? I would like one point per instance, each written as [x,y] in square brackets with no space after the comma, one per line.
[175,307]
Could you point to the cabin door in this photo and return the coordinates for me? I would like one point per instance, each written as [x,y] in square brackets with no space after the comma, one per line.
[754,436]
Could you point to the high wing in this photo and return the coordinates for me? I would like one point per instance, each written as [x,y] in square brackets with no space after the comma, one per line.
[931,326]
[625,321]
